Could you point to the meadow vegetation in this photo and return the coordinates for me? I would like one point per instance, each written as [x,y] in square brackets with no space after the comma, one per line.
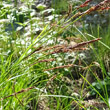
[54,58]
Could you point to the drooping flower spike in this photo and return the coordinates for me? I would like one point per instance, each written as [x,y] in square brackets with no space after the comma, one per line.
[105,5]
[84,4]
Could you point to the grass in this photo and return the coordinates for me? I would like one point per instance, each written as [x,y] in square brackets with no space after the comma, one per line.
[24,81]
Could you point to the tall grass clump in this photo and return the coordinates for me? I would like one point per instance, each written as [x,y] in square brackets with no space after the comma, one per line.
[32,76]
